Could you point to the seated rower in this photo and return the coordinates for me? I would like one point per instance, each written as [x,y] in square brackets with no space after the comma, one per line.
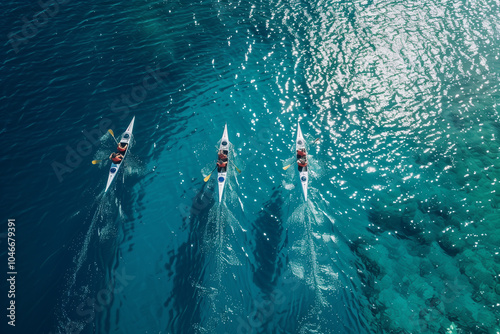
[222,156]
[302,162]
[122,147]
[221,164]
[301,152]
[116,157]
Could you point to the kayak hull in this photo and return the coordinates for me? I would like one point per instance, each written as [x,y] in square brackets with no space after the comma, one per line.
[303,172]
[126,137]
[222,172]
[221,180]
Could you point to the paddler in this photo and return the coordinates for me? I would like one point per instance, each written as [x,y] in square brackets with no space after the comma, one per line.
[221,164]
[222,156]
[122,147]
[301,153]
[116,157]
[302,162]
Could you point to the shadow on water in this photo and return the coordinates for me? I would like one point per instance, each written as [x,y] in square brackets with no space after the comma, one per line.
[206,270]
[186,266]
[274,308]
[286,296]
[269,242]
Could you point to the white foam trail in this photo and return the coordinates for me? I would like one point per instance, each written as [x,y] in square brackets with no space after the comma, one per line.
[304,220]
[80,258]
[82,255]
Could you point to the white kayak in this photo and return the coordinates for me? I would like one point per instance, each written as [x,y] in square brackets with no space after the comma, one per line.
[222,171]
[303,173]
[126,136]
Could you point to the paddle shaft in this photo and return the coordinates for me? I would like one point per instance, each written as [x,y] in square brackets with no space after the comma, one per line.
[208,177]
[113,135]
[239,171]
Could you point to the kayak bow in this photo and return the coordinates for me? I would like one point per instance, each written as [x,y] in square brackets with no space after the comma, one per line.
[126,136]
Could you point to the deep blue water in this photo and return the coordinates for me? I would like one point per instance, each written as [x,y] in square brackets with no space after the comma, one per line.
[401,230]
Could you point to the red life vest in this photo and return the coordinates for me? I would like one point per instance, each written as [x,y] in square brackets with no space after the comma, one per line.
[302,154]
[302,164]
[221,164]
[116,159]
[222,156]
[121,149]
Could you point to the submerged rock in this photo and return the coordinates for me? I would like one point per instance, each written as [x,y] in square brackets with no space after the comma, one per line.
[433,302]
[451,242]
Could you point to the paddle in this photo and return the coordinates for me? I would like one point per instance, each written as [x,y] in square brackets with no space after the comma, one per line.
[112,134]
[239,171]
[206,178]
[286,167]
[95,162]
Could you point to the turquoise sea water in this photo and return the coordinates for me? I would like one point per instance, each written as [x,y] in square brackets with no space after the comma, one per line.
[400,233]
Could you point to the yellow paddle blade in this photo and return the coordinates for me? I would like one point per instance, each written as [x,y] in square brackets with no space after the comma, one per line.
[95,162]
[286,167]
[112,135]
[239,171]
[206,179]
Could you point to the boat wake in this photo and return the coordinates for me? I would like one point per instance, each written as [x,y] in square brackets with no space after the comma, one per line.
[222,263]
[320,258]
[304,263]
[312,242]
[220,231]
[76,306]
